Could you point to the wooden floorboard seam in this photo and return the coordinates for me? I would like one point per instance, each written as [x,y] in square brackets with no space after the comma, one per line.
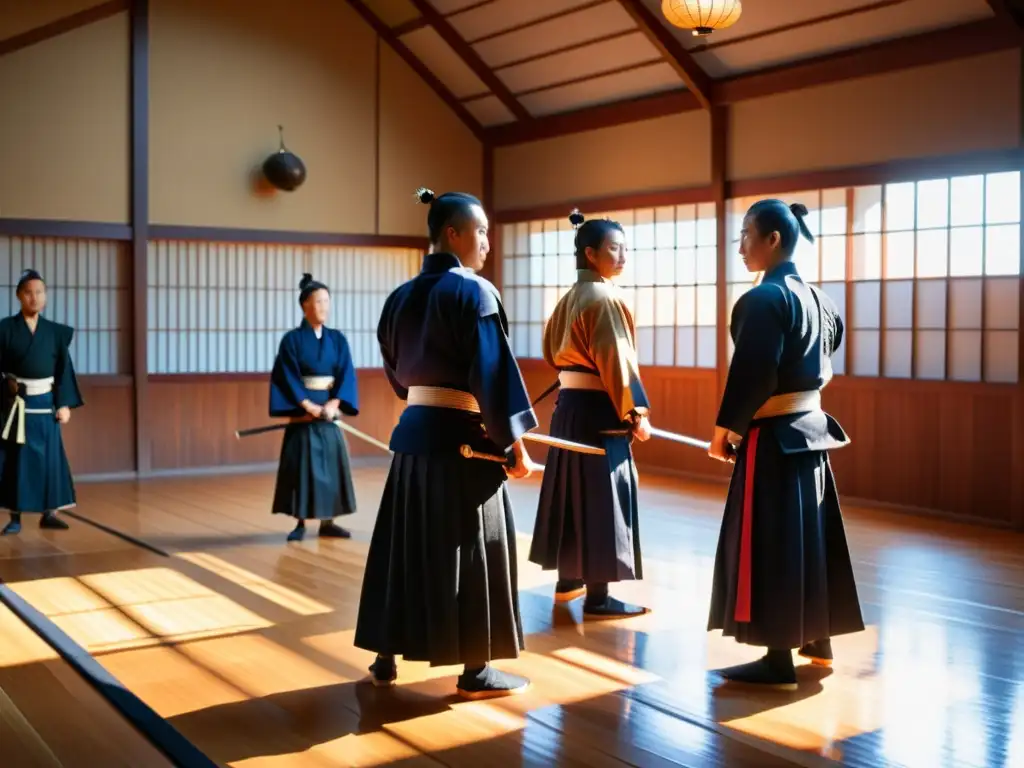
[761,745]
[158,731]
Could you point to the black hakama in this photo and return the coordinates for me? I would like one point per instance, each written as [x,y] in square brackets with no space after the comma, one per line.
[587,523]
[783,576]
[36,476]
[441,574]
[443,553]
[314,478]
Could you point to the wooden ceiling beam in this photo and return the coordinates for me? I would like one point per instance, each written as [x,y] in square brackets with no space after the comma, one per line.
[62,26]
[472,59]
[592,118]
[661,37]
[975,38]
[388,36]
[1008,11]
[920,50]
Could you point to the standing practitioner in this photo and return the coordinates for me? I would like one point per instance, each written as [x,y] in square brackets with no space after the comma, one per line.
[41,389]
[587,524]
[441,578]
[313,381]
[783,577]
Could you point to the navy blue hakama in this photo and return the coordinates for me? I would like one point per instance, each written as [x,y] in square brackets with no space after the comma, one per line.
[587,524]
[783,576]
[314,477]
[36,475]
[441,581]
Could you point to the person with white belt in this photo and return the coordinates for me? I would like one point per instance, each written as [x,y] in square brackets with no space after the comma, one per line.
[313,382]
[783,578]
[441,579]
[587,526]
[40,390]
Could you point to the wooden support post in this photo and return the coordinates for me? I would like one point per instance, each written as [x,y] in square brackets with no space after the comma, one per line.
[139,110]
[719,153]
[492,269]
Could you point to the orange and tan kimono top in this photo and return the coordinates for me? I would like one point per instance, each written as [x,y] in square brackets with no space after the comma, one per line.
[591,331]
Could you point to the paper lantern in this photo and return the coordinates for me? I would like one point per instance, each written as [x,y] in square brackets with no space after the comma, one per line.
[702,16]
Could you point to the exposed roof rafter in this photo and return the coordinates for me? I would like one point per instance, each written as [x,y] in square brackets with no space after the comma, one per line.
[696,79]
[1008,11]
[388,36]
[936,47]
[472,59]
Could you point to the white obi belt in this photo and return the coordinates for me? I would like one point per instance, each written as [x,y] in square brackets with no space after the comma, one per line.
[16,418]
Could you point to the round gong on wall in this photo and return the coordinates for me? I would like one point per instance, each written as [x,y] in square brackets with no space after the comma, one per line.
[283,169]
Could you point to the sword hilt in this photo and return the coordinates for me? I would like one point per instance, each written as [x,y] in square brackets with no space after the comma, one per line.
[507,461]
[468,453]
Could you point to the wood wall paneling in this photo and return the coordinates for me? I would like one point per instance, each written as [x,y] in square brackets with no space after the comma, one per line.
[100,438]
[195,425]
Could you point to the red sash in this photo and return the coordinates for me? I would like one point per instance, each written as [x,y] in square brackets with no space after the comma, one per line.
[746,529]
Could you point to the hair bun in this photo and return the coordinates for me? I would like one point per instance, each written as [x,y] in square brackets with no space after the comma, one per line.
[799,210]
[576,218]
[425,196]
[306,280]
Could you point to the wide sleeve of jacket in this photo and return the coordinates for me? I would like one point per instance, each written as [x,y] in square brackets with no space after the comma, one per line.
[387,351]
[286,387]
[611,344]
[494,376]
[66,393]
[759,323]
[345,388]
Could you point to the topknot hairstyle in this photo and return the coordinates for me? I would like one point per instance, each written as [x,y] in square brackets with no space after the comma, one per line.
[452,209]
[590,233]
[772,215]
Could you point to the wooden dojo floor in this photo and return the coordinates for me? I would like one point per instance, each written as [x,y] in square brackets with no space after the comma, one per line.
[244,644]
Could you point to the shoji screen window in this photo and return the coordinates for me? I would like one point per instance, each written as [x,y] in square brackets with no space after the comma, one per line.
[220,307]
[88,284]
[936,268]
[538,267]
[223,307]
[668,282]
[360,280]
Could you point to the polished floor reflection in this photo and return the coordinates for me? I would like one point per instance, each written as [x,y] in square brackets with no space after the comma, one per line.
[244,643]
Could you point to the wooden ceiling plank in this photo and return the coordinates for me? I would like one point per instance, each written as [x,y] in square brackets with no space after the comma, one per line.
[661,37]
[388,36]
[934,47]
[409,26]
[963,41]
[472,59]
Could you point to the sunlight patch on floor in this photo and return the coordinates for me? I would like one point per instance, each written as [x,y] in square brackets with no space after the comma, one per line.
[280,595]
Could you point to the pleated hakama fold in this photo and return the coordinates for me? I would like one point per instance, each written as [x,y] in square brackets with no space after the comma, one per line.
[441,575]
[783,575]
[587,524]
[314,477]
